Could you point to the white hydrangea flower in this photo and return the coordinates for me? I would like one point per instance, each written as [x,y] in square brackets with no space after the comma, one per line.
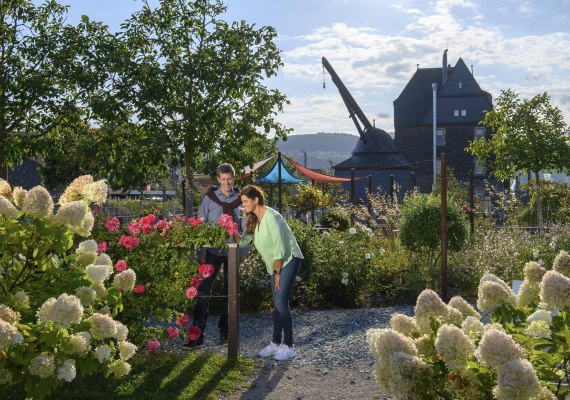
[102,353]
[405,374]
[540,315]
[540,262]
[429,305]
[472,327]
[126,350]
[546,394]
[43,312]
[105,310]
[425,346]
[562,263]
[352,231]
[100,289]
[122,331]
[102,326]
[125,280]
[72,214]
[95,192]
[9,315]
[73,191]
[533,271]
[87,246]
[19,195]
[516,379]
[7,208]
[497,347]
[534,253]
[5,377]
[22,299]
[67,372]
[86,225]
[555,290]
[528,294]
[8,334]
[384,341]
[119,368]
[368,256]
[463,306]
[539,329]
[66,311]
[86,294]
[38,202]
[454,347]
[97,273]
[493,294]
[79,343]
[103,259]
[42,366]
[5,190]
[404,324]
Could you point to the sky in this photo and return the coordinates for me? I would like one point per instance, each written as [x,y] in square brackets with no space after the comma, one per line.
[375,47]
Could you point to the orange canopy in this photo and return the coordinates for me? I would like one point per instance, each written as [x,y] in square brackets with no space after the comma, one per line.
[316,176]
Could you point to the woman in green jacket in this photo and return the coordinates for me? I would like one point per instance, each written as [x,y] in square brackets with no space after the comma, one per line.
[276,244]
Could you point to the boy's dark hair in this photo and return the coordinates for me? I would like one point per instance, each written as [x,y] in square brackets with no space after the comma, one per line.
[225,169]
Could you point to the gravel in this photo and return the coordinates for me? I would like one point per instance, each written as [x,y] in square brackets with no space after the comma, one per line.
[333,360]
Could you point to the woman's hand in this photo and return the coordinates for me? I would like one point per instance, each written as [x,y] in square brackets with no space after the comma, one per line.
[277,279]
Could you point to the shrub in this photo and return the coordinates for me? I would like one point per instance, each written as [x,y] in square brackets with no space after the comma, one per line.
[336,218]
[57,307]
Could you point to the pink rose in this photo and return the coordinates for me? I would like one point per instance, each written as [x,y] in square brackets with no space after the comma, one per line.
[206,270]
[191,292]
[172,332]
[195,281]
[183,319]
[194,332]
[101,247]
[152,346]
[128,242]
[195,222]
[148,220]
[139,289]
[121,265]
[113,225]
[134,228]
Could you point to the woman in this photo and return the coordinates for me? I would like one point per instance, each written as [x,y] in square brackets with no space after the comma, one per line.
[280,252]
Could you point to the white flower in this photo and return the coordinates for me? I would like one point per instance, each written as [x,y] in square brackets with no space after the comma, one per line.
[100,289]
[42,366]
[97,273]
[86,294]
[38,202]
[472,327]
[497,347]
[7,208]
[540,262]
[454,347]
[65,311]
[352,231]
[43,312]
[404,324]
[125,280]
[534,253]
[102,326]
[555,290]
[429,305]
[95,192]
[369,255]
[516,379]
[102,353]
[86,225]
[73,191]
[493,294]
[538,329]
[345,281]
[126,350]
[533,271]
[103,259]
[72,214]
[122,331]
[79,343]
[528,293]
[19,196]
[67,372]
[87,246]
[8,334]
[22,299]
[562,263]
[464,307]
[5,190]
[540,315]
[382,251]
[119,368]
[8,315]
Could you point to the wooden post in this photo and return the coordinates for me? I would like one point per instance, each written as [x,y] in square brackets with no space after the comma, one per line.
[233,301]
[443,176]
[312,210]
[352,199]
[471,204]
[279,181]
[392,189]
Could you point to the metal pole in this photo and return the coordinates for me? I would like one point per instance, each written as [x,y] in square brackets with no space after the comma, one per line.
[233,301]
[434,101]
[443,176]
[471,204]
[279,180]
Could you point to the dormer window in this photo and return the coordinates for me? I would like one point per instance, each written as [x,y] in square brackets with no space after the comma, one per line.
[463,113]
[456,113]
[460,85]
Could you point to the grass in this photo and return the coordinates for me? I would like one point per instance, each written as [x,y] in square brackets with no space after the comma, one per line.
[163,376]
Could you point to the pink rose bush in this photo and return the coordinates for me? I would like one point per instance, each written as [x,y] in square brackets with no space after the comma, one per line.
[64,321]
[167,279]
[448,350]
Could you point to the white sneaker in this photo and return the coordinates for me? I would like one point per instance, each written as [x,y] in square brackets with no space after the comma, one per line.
[269,350]
[285,352]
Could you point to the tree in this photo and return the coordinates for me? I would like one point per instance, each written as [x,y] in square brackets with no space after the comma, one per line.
[52,74]
[309,198]
[528,136]
[198,81]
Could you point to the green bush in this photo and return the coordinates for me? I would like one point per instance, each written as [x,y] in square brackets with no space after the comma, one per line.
[336,218]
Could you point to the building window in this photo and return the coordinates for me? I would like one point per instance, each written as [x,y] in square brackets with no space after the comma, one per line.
[478,168]
[460,85]
[456,113]
[437,166]
[479,132]
[440,136]
[463,113]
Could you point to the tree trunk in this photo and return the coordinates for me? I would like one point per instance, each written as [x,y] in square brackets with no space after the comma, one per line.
[538,200]
[188,158]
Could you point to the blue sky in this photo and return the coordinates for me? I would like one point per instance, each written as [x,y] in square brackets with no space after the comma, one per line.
[375,45]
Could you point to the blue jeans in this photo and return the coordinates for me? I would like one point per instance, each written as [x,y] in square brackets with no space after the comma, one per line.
[282,319]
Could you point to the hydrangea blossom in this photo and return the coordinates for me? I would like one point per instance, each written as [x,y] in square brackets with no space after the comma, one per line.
[73,191]
[97,273]
[454,346]
[38,202]
[86,295]
[95,192]
[562,263]
[119,368]
[464,307]
[72,214]
[472,328]
[539,329]
[22,299]
[404,324]
[19,195]
[429,305]
[7,208]
[122,331]
[42,366]
[79,343]
[8,315]
[8,335]
[65,311]
[540,315]
[102,326]
[554,290]
[492,294]
[5,190]
[497,347]
[67,372]
[126,350]
[533,272]
[102,353]
[125,280]
[528,294]
[516,379]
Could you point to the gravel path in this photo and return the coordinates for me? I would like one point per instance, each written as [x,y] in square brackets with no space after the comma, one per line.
[333,360]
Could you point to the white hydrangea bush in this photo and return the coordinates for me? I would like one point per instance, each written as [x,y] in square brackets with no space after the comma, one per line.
[58,301]
[448,351]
